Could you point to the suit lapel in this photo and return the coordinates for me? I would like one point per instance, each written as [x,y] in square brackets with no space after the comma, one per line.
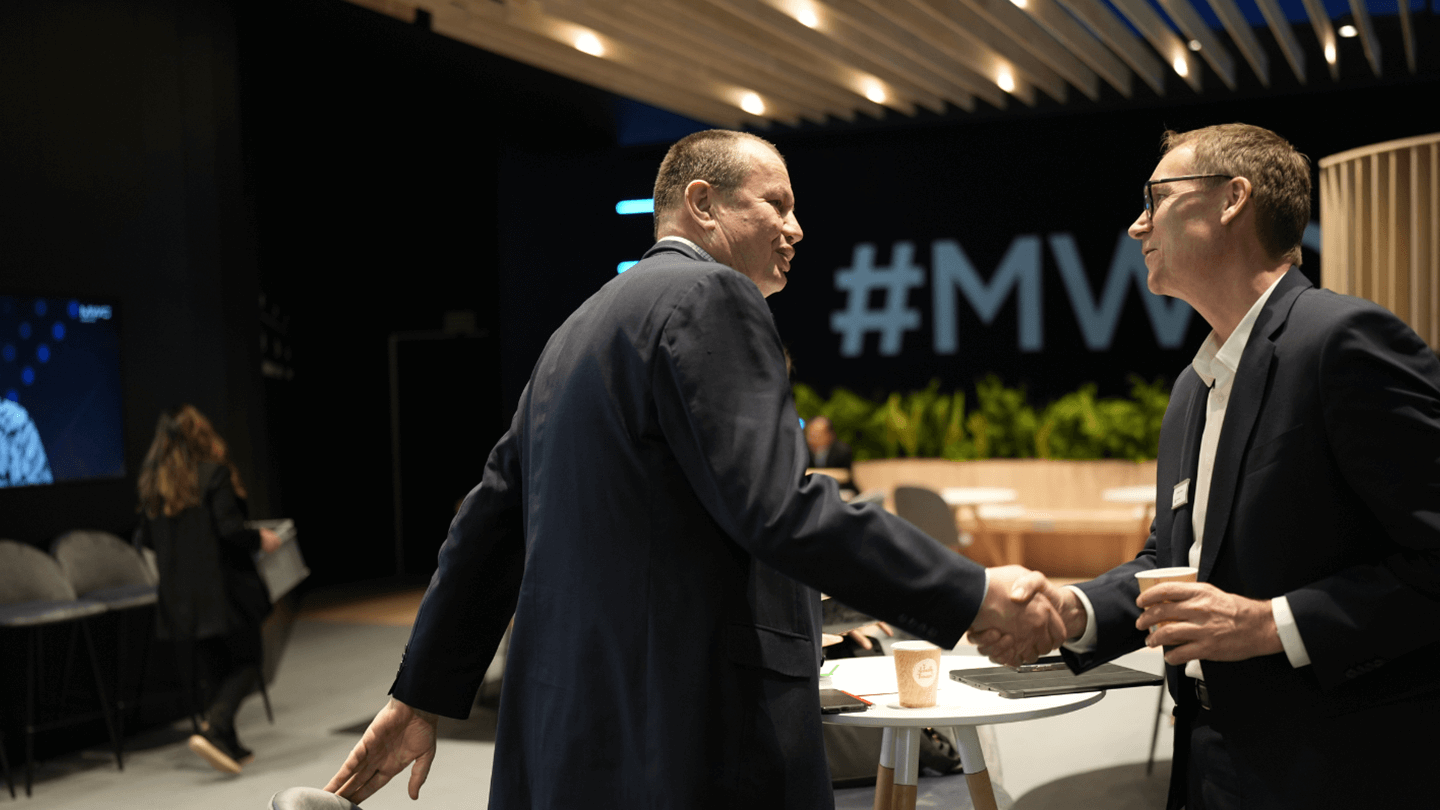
[1182,534]
[1246,397]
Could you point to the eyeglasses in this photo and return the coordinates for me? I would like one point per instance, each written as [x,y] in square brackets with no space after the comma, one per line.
[1150,196]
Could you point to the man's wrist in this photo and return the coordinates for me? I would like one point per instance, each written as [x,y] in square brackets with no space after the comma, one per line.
[1072,613]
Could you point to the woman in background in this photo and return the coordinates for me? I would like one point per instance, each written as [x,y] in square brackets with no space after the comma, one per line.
[211,596]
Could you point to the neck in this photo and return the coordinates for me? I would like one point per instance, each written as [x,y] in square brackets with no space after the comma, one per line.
[1231,297]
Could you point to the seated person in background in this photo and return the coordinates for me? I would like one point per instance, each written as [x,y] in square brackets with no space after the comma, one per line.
[825,449]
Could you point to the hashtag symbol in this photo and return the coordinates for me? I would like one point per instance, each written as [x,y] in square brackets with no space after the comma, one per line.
[894,318]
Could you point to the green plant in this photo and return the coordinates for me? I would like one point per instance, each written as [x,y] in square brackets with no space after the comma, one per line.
[930,424]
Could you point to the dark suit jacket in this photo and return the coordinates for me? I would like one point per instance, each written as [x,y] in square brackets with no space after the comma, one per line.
[1325,489]
[649,512]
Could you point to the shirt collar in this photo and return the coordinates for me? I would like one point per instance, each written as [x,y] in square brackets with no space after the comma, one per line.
[682,240]
[1216,364]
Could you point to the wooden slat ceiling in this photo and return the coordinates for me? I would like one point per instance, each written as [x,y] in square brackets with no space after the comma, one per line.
[739,63]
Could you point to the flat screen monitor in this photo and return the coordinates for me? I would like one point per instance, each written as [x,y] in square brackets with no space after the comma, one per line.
[60,391]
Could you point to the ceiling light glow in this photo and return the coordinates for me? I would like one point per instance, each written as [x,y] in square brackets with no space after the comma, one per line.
[589,43]
[1348,31]
[751,103]
[1195,45]
[1006,81]
[807,17]
[876,93]
[1330,52]
[1181,66]
[1021,3]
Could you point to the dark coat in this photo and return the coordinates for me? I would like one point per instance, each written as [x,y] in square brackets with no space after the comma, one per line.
[208,583]
[650,513]
[1325,489]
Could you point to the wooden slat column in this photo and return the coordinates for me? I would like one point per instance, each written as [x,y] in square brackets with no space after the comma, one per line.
[1380,228]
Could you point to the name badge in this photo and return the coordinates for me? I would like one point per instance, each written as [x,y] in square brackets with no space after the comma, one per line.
[1181,495]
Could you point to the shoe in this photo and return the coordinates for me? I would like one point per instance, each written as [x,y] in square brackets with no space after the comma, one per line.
[216,751]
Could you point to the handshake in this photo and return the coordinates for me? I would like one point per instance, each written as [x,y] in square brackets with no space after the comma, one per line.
[1024,616]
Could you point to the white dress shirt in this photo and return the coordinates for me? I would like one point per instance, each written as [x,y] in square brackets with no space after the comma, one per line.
[1216,365]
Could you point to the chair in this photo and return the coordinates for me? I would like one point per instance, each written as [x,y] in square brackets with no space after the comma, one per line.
[307,798]
[929,512]
[103,568]
[35,594]
[5,762]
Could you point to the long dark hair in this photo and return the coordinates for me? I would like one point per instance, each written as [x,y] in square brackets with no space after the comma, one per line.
[169,477]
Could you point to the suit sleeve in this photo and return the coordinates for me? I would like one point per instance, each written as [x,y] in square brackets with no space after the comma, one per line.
[1381,388]
[1113,595]
[228,513]
[473,593]
[724,405]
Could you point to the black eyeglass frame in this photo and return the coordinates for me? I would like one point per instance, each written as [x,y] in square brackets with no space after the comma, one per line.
[1150,196]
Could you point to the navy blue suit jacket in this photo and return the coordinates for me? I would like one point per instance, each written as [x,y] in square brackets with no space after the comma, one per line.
[1326,488]
[648,520]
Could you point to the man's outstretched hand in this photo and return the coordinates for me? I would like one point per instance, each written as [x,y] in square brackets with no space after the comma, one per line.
[1013,626]
[398,736]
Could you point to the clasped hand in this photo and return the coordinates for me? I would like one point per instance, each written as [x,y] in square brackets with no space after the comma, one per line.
[1017,622]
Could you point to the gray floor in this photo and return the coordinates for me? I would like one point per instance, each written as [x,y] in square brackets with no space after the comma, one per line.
[333,678]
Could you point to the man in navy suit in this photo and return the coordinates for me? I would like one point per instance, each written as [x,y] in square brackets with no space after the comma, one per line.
[648,522]
[1298,472]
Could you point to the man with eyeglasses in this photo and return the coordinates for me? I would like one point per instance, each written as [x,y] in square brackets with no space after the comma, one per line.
[1298,472]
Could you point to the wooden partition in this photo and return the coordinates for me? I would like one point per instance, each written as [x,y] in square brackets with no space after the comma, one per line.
[1067,529]
[1380,228]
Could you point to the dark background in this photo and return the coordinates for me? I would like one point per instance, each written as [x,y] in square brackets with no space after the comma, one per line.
[327,178]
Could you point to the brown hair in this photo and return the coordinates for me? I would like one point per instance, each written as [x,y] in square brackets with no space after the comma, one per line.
[713,156]
[1279,177]
[169,476]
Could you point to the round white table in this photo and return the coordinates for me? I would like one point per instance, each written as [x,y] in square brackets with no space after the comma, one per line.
[1141,494]
[957,706]
[975,496]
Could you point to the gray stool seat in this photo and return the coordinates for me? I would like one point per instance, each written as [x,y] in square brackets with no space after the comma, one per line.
[308,798]
[123,597]
[35,594]
[34,614]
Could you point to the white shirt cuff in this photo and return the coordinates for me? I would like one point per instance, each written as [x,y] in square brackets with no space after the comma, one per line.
[1088,639]
[1289,633]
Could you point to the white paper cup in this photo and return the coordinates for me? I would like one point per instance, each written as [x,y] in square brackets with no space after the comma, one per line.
[1149,579]
[917,673]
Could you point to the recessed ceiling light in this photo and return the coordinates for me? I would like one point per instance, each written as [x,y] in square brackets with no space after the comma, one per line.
[876,93]
[1181,66]
[1006,81]
[1021,3]
[589,43]
[807,17]
[1194,45]
[1330,52]
[751,103]
[1348,31]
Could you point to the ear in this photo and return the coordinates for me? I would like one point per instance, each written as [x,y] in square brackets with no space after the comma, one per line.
[1237,199]
[699,204]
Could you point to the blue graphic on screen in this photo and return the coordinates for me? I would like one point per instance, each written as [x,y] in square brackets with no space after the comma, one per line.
[60,408]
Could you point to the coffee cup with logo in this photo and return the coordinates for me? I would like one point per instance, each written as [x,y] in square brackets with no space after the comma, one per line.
[917,673]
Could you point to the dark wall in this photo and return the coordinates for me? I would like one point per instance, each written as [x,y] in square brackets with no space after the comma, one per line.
[373,147]
[983,184]
[121,176]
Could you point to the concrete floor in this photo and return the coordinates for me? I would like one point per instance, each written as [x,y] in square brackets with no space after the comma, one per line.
[334,677]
